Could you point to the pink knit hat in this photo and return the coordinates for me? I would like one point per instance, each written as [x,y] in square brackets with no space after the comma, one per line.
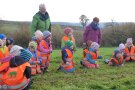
[67,30]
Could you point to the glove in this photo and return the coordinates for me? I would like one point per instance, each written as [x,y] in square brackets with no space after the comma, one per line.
[100,57]
[96,62]
[106,61]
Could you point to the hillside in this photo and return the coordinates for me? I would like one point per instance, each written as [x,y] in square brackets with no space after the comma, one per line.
[74,25]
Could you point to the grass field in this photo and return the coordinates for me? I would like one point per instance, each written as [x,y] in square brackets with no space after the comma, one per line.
[104,78]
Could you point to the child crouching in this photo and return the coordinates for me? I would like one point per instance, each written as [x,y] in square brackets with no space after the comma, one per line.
[119,56]
[90,56]
[67,64]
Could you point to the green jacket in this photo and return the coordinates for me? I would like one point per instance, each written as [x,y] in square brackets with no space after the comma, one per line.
[40,22]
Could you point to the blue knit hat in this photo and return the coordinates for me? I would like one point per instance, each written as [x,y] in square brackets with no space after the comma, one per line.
[2,36]
[25,54]
[33,38]
[46,34]
[9,41]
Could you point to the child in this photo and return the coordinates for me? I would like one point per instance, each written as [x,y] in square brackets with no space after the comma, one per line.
[36,58]
[67,58]
[91,55]
[4,53]
[9,43]
[20,51]
[38,38]
[45,48]
[130,50]
[68,36]
[17,74]
[86,49]
[119,56]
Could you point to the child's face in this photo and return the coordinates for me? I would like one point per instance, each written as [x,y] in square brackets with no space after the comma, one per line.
[70,33]
[96,49]
[1,43]
[89,43]
[72,47]
[10,46]
[32,49]
[49,38]
[129,44]
[4,41]
[40,38]
[122,50]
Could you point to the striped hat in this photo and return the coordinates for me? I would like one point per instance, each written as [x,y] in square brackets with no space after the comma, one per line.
[15,50]
[25,54]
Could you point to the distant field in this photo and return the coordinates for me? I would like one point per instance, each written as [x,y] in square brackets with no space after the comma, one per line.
[104,78]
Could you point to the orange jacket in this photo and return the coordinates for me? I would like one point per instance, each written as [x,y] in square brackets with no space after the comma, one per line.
[117,62]
[69,59]
[130,53]
[14,78]
[66,38]
[45,55]
[94,55]
[5,65]
[35,68]
[85,51]
[2,55]
[132,50]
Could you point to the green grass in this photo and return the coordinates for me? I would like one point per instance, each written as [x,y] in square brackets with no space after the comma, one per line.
[104,78]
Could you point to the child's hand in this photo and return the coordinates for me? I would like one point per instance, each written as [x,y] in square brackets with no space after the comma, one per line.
[38,62]
[96,62]
[67,63]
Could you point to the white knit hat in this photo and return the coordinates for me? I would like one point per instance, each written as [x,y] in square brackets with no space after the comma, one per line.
[38,34]
[129,40]
[95,45]
[121,46]
[16,50]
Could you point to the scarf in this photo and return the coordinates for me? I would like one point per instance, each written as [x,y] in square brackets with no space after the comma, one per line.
[95,26]
[43,17]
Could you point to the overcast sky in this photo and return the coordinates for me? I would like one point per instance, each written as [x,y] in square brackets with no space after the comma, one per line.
[69,10]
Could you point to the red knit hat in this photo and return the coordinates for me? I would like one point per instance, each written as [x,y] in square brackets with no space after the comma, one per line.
[67,30]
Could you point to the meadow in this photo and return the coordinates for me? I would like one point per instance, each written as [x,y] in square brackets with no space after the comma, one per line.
[103,78]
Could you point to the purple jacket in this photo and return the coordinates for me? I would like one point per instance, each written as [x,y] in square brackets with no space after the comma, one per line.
[91,34]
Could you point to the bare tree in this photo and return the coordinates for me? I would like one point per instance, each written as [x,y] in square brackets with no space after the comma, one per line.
[83,20]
